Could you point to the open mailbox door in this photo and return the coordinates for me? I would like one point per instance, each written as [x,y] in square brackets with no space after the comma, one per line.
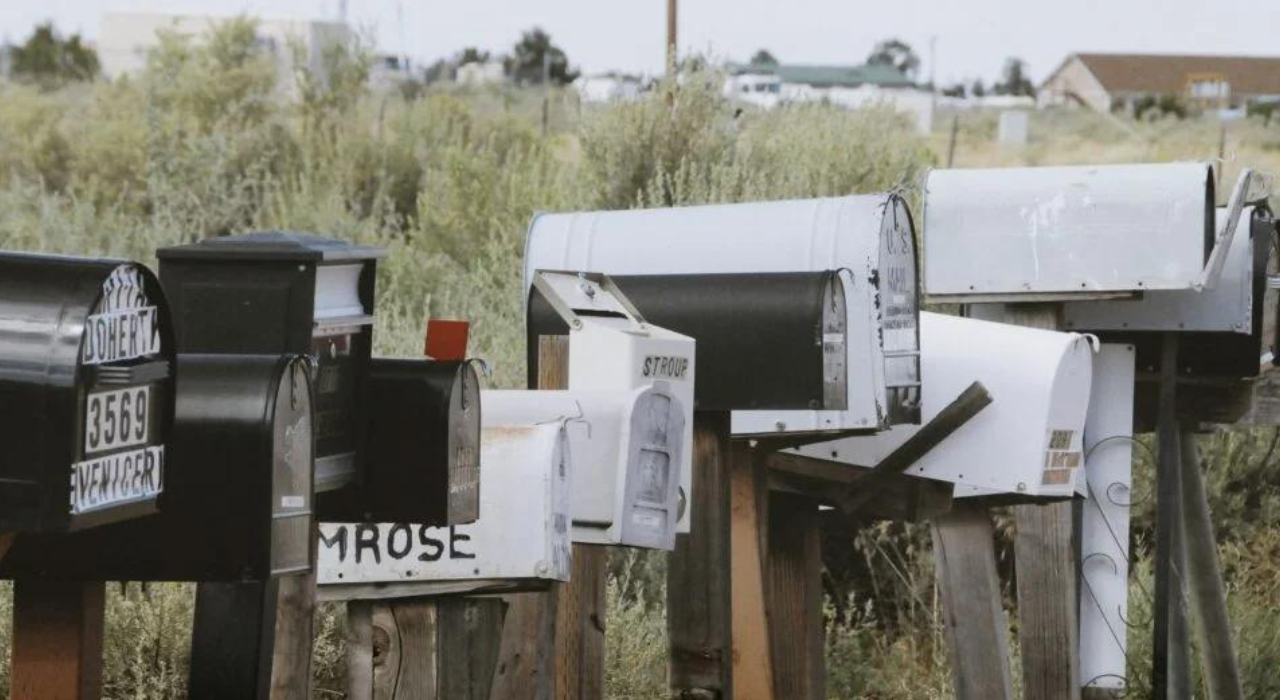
[627,454]
[869,238]
[86,392]
[1028,442]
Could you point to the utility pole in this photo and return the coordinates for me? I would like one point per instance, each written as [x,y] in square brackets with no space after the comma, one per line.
[671,37]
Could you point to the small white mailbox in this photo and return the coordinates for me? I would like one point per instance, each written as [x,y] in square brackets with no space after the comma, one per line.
[520,541]
[612,348]
[627,453]
[1003,234]
[869,236]
[1028,441]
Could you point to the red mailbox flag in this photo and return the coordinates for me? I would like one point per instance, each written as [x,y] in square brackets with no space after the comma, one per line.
[447,340]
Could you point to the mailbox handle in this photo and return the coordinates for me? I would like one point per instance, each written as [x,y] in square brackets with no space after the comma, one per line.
[1222,241]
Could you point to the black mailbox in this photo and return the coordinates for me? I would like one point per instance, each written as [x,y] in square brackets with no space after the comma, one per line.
[86,392]
[423,435]
[281,292]
[765,340]
[239,508]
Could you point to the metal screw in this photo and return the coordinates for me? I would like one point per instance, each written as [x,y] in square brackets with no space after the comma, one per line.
[780,426]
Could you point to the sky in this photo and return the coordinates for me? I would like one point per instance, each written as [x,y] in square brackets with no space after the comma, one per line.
[972,37]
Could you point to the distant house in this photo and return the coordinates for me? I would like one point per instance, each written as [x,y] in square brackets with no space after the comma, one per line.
[768,84]
[1104,82]
[480,73]
[127,37]
[608,87]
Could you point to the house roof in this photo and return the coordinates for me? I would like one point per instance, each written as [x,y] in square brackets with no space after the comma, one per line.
[828,76]
[1168,74]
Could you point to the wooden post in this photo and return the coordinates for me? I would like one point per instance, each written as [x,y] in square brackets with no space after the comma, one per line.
[1218,662]
[466,660]
[57,640]
[752,663]
[391,650]
[1047,568]
[525,665]
[253,640]
[973,613]
[698,596]
[794,595]
[1170,668]
[580,626]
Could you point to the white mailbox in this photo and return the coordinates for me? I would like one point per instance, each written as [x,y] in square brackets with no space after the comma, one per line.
[628,447]
[1003,234]
[612,348]
[520,541]
[869,236]
[1028,441]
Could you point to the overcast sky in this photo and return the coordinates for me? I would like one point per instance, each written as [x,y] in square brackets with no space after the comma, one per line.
[973,37]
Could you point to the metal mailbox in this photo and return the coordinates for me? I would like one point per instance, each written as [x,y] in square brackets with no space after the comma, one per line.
[282,292]
[520,541]
[627,451]
[423,447]
[613,348]
[1003,234]
[1221,329]
[765,340]
[86,392]
[869,236]
[1027,442]
[238,506]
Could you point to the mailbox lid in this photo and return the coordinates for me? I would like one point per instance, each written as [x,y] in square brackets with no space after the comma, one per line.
[1027,441]
[272,245]
[765,340]
[1067,230]
[424,447]
[522,534]
[238,503]
[52,308]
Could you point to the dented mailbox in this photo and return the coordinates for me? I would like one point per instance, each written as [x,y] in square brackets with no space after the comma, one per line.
[871,237]
[86,392]
[283,292]
[1027,442]
[627,451]
[238,507]
[423,439]
[521,540]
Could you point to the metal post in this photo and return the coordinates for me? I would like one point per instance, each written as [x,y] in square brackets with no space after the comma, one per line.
[1170,672]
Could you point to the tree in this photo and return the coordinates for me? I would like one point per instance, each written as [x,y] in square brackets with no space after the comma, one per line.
[763,58]
[535,60]
[978,89]
[955,90]
[896,53]
[48,59]
[471,55]
[1013,79]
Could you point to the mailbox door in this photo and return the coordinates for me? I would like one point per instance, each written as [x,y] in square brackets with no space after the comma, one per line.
[655,444]
[292,460]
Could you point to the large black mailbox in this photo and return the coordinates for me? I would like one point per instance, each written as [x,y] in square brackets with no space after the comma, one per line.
[239,507]
[765,340]
[86,392]
[282,292]
[424,447]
